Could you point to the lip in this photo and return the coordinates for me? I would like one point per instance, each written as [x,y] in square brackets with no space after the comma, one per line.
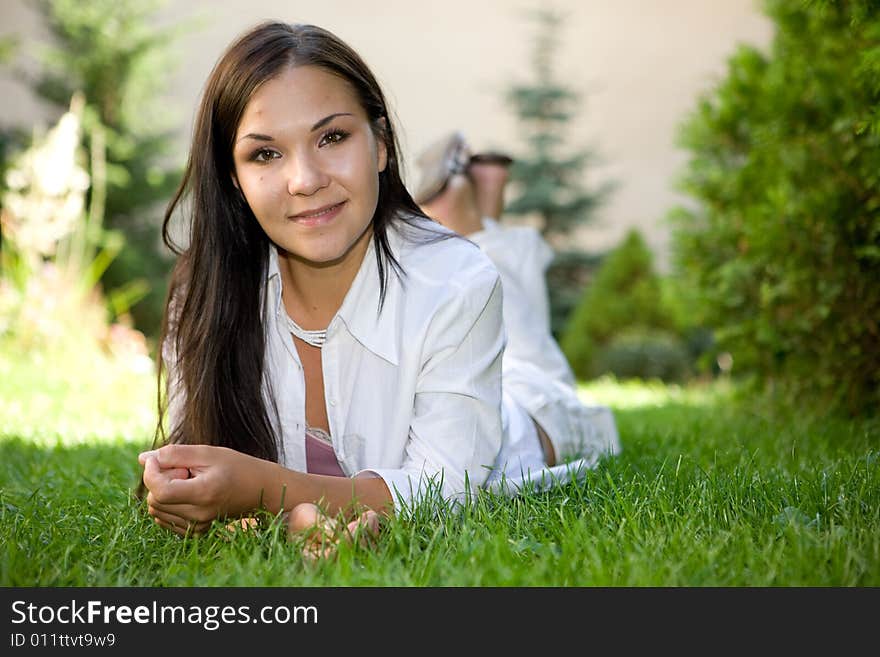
[317,216]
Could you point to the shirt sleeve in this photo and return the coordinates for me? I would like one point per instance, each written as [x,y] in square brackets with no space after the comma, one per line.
[455,434]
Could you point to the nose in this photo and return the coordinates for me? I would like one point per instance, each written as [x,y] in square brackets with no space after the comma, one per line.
[305,175]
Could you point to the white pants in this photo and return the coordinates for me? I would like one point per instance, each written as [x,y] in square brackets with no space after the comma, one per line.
[521,453]
[537,382]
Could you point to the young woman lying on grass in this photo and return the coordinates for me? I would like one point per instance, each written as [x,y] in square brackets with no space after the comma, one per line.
[331,352]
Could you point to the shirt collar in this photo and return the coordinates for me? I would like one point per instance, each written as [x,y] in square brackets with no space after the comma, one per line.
[375,330]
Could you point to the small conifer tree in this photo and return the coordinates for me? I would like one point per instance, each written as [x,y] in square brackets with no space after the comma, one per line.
[548,178]
[625,294]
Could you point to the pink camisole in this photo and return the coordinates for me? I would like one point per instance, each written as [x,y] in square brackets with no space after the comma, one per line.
[320,457]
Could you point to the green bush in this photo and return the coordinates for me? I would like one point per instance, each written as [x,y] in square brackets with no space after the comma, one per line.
[625,293]
[644,354]
[681,301]
[784,244]
[567,276]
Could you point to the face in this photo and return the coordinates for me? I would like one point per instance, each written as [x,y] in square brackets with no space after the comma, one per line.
[307,160]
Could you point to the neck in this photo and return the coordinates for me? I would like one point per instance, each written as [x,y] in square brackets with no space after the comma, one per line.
[313,293]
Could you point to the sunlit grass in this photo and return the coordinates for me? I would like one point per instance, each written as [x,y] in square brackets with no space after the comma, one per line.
[636,393]
[71,398]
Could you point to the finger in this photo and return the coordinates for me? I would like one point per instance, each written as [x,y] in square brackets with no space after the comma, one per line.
[308,518]
[167,473]
[185,456]
[320,548]
[166,485]
[174,456]
[188,512]
[170,518]
[242,524]
[302,517]
[370,522]
[183,513]
[180,525]
[143,456]
[364,528]
[177,473]
[170,527]
[316,532]
[163,524]
[184,532]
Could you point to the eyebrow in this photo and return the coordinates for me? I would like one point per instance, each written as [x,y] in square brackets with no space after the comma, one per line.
[320,124]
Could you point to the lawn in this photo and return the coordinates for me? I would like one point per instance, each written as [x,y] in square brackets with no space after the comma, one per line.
[711,490]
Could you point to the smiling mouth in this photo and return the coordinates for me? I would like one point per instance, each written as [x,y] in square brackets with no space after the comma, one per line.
[318,215]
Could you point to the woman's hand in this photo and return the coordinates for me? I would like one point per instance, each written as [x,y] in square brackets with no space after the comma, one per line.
[192,485]
[321,534]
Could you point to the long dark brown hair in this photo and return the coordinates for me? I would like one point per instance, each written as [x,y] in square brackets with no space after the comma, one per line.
[213,320]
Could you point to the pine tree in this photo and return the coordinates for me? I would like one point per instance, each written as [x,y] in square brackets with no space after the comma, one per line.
[547,180]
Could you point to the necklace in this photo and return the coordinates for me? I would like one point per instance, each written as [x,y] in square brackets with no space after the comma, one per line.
[314,338]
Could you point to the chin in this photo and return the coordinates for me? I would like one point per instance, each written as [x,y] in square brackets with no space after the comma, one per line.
[324,256]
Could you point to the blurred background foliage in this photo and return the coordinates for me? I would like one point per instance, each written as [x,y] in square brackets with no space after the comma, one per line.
[82,273]
[547,178]
[113,53]
[61,351]
[776,273]
[783,243]
[633,323]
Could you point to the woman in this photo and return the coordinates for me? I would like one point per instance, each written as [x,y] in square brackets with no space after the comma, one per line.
[324,341]
[330,350]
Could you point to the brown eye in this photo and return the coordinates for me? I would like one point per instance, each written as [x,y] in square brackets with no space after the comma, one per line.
[333,137]
[264,155]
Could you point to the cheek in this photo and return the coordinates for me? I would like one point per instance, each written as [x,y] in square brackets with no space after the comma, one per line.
[365,178]
[257,192]
[356,171]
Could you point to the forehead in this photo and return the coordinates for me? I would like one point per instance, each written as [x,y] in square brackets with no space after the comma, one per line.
[300,95]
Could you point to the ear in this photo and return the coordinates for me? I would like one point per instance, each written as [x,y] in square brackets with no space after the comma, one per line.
[235,181]
[381,132]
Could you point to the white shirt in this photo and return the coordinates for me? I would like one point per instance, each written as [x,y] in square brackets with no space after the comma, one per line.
[413,394]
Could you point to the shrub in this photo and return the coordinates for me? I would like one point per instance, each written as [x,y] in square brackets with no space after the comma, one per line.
[625,293]
[567,276]
[644,354]
[547,176]
[784,244]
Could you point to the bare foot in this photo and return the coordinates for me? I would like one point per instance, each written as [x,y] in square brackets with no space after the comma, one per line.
[456,206]
[489,179]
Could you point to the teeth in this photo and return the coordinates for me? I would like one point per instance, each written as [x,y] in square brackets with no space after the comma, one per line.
[318,214]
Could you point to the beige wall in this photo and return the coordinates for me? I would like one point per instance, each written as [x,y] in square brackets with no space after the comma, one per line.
[639,63]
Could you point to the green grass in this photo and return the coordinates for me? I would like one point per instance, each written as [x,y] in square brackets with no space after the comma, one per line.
[710,490]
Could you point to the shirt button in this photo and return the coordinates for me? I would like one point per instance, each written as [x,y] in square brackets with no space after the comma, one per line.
[333,402]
